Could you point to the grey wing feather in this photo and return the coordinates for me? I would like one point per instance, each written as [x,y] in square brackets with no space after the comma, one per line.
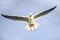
[44,12]
[15,17]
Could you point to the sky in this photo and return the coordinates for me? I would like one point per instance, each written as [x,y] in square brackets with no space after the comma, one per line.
[49,25]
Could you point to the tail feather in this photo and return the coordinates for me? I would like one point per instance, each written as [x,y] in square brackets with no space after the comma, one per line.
[32,28]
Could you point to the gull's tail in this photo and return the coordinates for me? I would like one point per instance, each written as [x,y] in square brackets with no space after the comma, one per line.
[32,28]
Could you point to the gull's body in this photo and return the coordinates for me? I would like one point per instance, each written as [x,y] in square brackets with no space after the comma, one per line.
[32,25]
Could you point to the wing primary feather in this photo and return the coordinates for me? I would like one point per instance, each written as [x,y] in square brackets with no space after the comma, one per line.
[44,12]
[15,18]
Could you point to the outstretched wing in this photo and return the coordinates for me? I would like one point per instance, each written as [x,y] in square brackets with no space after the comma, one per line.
[15,18]
[44,12]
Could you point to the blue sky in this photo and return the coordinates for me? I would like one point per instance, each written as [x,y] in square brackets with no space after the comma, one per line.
[49,28]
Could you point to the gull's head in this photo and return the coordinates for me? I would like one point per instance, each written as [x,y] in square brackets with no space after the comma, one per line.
[30,14]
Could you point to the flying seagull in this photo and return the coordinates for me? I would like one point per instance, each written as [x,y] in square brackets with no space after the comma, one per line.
[32,25]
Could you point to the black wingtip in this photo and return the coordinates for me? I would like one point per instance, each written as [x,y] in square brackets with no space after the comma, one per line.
[54,7]
[2,15]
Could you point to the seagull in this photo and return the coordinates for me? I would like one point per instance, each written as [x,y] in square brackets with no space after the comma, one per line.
[32,25]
